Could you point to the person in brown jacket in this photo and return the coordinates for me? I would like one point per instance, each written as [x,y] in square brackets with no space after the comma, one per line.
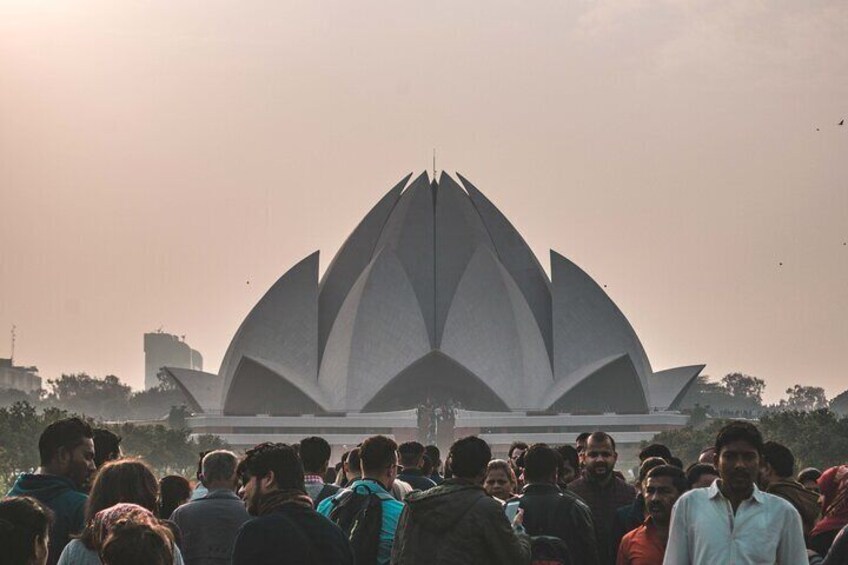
[777,469]
[456,523]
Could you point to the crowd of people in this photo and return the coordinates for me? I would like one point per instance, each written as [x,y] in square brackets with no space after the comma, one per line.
[742,502]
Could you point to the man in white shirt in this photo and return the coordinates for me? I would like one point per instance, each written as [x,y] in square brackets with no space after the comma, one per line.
[732,522]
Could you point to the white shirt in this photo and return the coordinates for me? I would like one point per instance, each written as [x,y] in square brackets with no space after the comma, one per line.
[766,530]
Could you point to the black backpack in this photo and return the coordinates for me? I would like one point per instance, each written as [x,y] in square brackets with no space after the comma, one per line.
[360,516]
[544,550]
[549,550]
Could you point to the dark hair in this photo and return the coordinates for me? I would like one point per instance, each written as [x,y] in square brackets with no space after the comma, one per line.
[501,465]
[23,520]
[516,445]
[137,543]
[280,458]
[314,453]
[676,474]
[582,436]
[427,465]
[122,480]
[655,450]
[330,475]
[199,474]
[676,462]
[540,462]
[648,464]
[697,471]
[601,437]
[569,455]
[174,490]
[410,453]
[780,458]
[354,460]
[432,451]
[107,446]
[377,453]
[739,430]
[809,474]
[469,457]
[67,433]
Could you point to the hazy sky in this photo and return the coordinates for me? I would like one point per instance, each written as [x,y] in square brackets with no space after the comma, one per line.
[155,156]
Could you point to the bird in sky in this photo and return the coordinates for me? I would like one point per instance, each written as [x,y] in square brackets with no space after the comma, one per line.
[841,122]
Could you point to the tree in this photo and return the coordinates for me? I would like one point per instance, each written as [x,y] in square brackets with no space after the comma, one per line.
[166,450]
[20,427]
[105,398]
[717,399]
[840,404]
[744,386]
[805,398]
[817,439]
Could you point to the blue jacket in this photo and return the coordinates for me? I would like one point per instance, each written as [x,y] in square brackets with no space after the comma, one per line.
[392,509]
[61,496]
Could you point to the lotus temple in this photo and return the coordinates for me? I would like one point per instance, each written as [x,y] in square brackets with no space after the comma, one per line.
[434,320]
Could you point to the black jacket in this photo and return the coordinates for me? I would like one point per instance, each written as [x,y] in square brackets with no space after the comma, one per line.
[548,511]
[292,535]
[416,478]
[456,523]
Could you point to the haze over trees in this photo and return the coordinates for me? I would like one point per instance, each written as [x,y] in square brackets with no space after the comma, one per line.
[741,395]
[166,449]
[817,438]
[107,399]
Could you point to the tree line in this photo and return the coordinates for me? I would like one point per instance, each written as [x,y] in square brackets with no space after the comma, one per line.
[817,438]
[167,449]
[741,395]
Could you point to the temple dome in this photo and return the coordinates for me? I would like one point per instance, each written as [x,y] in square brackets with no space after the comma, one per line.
[435,295]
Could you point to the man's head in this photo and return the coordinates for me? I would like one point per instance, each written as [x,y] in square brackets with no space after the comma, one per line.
[662,487]
[777,463]
[353,465]
[570,465]
[701,475]
[707,455]
[655,450]
[269,467]
[738,447]
[107,446]
[469,458]
[540,464]
[600,456]
[435,456]
[411,455]
[516,454]
[315,454]
[219,470]
[646,466]
[809,477]
[378,457]
[580,445]
[66,448]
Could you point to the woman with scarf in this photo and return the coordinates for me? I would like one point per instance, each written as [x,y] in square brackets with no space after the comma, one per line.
[834,494]
[123,481]
[102,525]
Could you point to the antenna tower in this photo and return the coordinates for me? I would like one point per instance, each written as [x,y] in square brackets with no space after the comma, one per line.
[434,163]
[12,355]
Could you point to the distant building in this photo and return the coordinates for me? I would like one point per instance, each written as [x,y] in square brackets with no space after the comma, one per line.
[19,378]
[161,349]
